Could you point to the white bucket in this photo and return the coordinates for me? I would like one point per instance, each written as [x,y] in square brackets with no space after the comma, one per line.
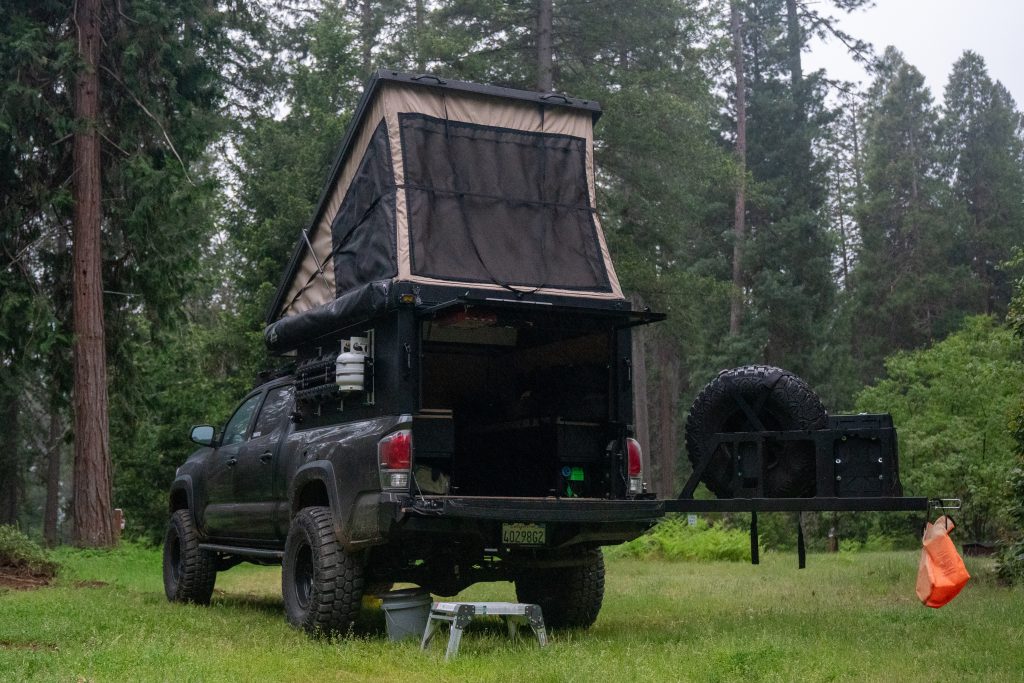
[406,612]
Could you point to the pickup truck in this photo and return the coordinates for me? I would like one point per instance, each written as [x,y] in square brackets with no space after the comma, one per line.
[350,506]
[458,399]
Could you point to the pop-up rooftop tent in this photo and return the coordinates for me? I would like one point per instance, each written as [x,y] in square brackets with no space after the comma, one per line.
[449,184]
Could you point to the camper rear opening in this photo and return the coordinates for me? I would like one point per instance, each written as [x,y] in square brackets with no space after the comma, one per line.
[520,406]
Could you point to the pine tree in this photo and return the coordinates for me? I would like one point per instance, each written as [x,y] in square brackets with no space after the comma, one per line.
[787,266]
[983,148]
[159,81]
[908,289]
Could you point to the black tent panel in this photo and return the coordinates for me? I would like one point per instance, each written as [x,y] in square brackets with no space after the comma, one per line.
[500,206]
[363,232]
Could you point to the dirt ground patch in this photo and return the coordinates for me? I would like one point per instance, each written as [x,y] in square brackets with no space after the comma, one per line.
[34,647]
[21,579]
[90,584]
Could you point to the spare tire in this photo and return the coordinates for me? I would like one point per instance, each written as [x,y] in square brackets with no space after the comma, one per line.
[781,401]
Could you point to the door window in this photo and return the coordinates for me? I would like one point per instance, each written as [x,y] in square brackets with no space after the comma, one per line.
[278,403]
[239,422]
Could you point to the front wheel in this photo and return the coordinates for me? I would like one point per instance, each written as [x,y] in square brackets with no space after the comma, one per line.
[189,572]
[569,597]
[322,585]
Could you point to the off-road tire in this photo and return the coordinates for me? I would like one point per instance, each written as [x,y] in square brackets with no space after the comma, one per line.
[569,597]
[189,573]
[781,401]
[322,585]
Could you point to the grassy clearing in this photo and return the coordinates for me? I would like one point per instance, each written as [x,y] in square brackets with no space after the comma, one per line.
[845,617]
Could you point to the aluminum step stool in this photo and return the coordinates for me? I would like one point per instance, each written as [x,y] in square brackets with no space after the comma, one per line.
[459,614]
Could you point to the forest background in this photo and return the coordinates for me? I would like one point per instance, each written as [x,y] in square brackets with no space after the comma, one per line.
[865,239]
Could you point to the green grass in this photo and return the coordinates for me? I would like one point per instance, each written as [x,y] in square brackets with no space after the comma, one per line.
[851,616]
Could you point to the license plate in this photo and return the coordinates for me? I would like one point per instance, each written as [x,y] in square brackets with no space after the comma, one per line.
[523,534]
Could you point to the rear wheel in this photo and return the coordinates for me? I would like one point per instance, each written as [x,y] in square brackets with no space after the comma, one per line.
[749,399]
[322,585]
[189,572]
[569,597]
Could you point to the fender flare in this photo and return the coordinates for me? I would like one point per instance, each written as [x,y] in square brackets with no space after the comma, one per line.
[183,482]
[319,470]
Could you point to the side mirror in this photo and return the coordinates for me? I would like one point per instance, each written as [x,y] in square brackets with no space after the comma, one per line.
[202,435]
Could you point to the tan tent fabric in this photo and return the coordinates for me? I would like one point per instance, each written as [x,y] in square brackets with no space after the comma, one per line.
[488,111]
[309,289]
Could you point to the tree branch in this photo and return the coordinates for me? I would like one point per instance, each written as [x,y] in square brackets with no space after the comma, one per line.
[155,120]
[860,50]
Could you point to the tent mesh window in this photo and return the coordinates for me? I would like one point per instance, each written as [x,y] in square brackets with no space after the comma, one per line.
[498,205]
[363,232]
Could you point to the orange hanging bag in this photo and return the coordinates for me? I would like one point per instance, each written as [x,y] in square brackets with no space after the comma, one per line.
[941,574]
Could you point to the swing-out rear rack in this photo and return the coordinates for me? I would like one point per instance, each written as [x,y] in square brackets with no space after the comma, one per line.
[856,469]
[855,463]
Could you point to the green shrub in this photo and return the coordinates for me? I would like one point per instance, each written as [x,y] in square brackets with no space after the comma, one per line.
[674,539]
[19,552]
[952,404]
[1010,561]
[873,543]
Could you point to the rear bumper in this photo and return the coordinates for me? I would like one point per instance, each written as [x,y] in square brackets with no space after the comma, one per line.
[564,510]
[569,521]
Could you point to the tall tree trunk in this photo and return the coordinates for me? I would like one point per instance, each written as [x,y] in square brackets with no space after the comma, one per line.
[843,242]
[421,34]
[92,511]
[11,475]
[739,217]
[366,35]
[795,42]
[544,68]
[54,445]
[858,182]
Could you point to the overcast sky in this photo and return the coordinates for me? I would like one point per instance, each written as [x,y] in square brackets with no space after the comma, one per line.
[932,34]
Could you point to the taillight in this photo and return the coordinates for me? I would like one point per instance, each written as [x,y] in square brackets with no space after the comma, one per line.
[394,457]
[634,466]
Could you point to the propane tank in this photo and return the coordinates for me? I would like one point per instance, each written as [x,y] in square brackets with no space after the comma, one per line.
[350,365]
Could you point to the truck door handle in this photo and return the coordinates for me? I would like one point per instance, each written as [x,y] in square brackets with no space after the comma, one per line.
[265,458]
[232,462]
